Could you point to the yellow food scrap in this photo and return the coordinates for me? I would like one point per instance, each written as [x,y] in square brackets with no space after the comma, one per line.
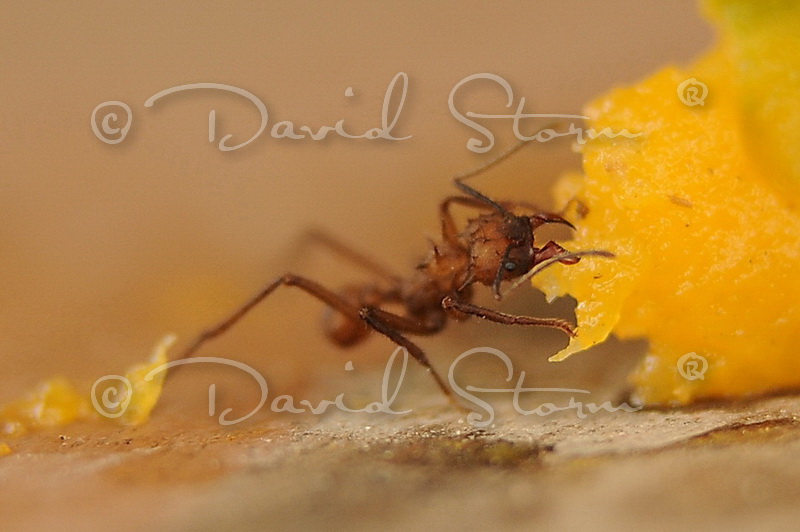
[5,449]
[55,403]
[51,404]
[145,393]
[701,211]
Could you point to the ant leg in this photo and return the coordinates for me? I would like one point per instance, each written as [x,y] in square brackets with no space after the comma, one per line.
[388,324]
[508,319]
[320,292]
[408,325]
[318,236]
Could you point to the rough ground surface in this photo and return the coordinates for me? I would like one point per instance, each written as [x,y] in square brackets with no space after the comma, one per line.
[712,467]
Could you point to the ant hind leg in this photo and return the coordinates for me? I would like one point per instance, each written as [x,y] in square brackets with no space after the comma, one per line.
[328,297]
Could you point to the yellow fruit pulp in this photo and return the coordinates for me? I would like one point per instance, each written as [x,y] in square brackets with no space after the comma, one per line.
[127,399]
[701,212]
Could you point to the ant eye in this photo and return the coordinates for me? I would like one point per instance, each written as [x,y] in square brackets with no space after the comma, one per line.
[510,266]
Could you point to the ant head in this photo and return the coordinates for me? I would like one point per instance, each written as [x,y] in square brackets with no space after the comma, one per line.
[502,246]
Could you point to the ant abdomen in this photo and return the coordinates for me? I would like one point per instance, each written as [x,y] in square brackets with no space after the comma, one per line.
[344,330]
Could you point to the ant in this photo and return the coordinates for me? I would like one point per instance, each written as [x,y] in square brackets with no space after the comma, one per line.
[496,246]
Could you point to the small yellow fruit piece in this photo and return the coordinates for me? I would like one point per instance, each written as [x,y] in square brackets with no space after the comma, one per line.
[51,404]
[56,402]
[701,212]
[145,393]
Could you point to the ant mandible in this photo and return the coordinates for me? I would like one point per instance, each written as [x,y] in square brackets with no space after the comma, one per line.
[494,247]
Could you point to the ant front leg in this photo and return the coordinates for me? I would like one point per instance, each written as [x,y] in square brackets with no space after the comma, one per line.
[449,303]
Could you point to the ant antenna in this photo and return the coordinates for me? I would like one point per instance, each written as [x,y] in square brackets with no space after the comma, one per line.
[491,163]
[553,260]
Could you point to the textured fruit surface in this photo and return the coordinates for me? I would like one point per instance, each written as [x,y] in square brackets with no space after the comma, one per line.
[701,211]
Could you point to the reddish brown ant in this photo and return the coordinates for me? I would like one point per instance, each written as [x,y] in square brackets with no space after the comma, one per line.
[496,246]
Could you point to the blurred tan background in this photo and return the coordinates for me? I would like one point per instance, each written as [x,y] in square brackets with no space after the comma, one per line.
[105,248]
